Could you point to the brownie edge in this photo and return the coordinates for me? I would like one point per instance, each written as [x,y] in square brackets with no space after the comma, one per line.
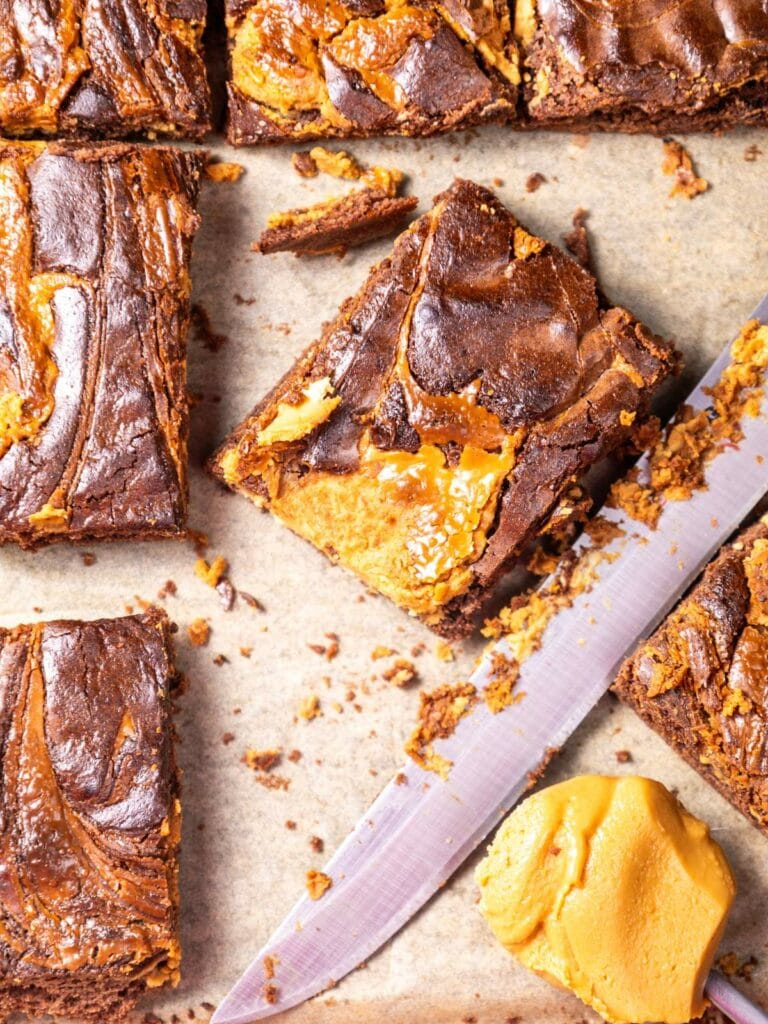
[429,435]
[700,680]
[94,292]
[89,817]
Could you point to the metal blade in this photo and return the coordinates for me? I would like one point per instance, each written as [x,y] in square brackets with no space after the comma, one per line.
[416,834]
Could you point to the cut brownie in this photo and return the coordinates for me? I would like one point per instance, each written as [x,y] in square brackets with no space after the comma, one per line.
[677,65]
[367,67]
[103,68]
[89,817]
[701,680]
[337,225]
[94,294]
[432,431]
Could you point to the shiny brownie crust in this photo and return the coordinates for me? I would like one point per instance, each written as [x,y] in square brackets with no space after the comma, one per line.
[89,816]
[455,66]
[103,68]
[485,306]
[93,320]
[700,680]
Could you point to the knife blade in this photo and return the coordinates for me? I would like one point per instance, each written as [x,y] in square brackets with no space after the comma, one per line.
[418,832]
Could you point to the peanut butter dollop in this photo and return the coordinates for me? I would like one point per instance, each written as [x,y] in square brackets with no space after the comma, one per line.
[609,887]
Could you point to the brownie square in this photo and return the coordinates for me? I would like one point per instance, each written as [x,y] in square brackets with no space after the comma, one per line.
[89,817]
[433,430]
[701,680]
[109,68]
[94,295]
[664,66]
[367,67]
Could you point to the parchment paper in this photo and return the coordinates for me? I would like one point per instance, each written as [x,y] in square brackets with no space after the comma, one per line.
[691,270]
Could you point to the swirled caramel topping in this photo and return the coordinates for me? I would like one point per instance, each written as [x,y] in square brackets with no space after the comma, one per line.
[101,67]
[311,68]
[89,815]
[94,293]
[428,436]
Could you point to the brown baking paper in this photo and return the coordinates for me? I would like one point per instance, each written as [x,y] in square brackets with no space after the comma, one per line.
[692,270]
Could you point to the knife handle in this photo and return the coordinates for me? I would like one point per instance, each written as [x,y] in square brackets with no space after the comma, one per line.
[733,1003]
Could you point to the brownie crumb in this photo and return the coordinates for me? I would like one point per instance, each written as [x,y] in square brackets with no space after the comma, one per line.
[401,673]
[500,692]
[294,756]
[168,589]
[316,844]
[381,652]
[220,659]
[304,165]
[219,171]
[534,182]
[309,707]
[199,632]
[88,558]
[269,963]
[677,161]
[262,760]
[444,651]
[439,713]
[251,601]
[623,756]
[270,993]
[201,322]
[290,825]
[211,573]
[401,779]
[227,738]
[735,966]
[246,652]
[318,884]
[752,152]
[577,240]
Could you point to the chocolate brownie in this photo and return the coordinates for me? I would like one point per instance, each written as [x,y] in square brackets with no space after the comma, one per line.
[367,67]
[103,68]
[89,817]
[432,431]
[336,225]
[94,294]
[700,680]
[667,65]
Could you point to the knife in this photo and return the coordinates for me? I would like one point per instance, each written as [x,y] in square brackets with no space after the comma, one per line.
[421,828]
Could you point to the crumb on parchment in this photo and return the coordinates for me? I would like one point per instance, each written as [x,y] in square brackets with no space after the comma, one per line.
[309,707]
[223,171]
[677,161]
[199,632]
[212,572]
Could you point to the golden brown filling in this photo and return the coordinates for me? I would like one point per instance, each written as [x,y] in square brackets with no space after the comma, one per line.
[32,101]
[27,370]
[276,53]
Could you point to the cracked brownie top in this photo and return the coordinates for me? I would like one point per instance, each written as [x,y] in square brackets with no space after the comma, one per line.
[94,288]
[644,63]
[701,679]
[103,67]
[307,69]
[434,429]
[89,815]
